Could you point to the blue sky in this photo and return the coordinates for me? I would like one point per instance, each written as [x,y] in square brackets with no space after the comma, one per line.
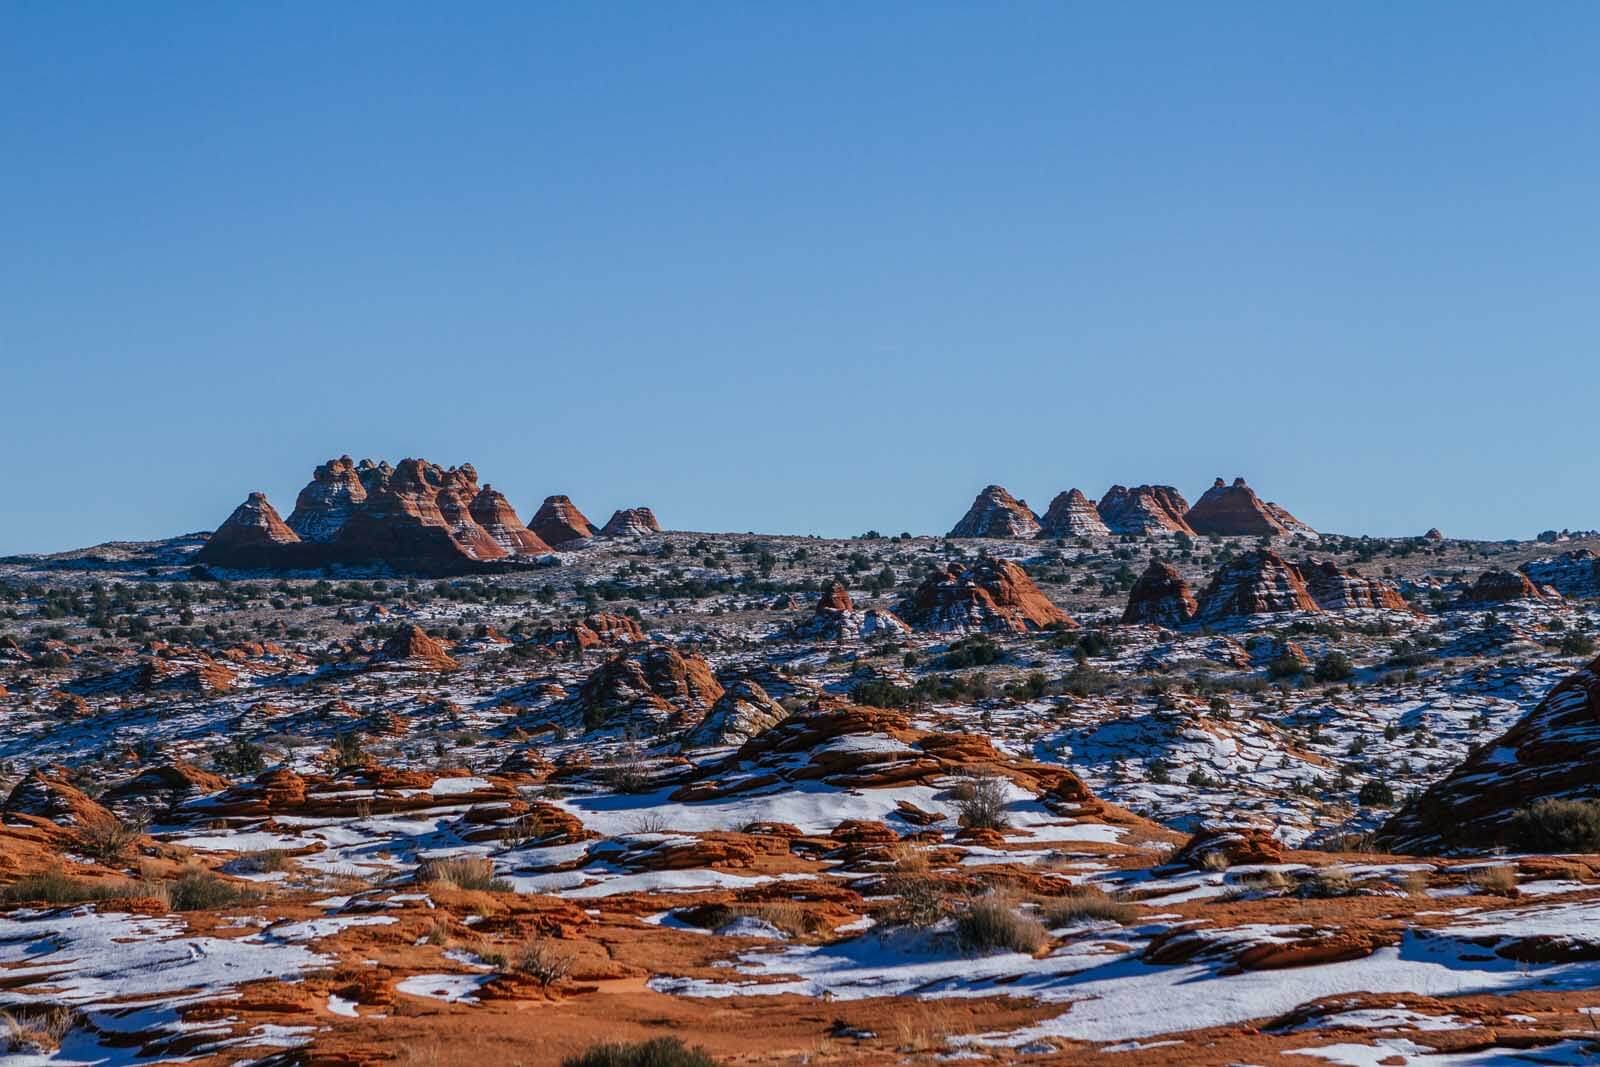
[812,268]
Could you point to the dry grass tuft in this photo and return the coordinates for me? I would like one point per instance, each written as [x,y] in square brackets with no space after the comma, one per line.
[462,872]
[1087,903]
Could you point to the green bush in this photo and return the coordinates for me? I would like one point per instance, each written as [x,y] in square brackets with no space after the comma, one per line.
[658,1052]
[1334,667]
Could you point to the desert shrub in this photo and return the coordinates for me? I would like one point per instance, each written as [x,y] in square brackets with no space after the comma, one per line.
[57,887]
[462,872]
[975,651]
[1554,825]
[1334,667]
[1087,902]
[198,889]
[981,803]
[266,861]
[878,693]
[540,958]
[111,841]
[1329,882]
[240,760]
[1577,644]
[1285,667]
[1498,879]
[627,774]
[1376,794]
[990,922]
[35,1030]
[657,1052]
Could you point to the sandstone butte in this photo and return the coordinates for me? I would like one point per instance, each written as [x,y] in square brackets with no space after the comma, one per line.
[996,513]
[1072,514]
[1144,510]
[415,517]
[1236,511]
[559,522]
[631,522]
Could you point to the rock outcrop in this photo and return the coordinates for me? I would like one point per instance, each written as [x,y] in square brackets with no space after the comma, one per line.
[631,522]
[253,536]
[491,510]
[416,517]
[1161,597]
[996,513]
[1573,574]
[991,594]
[326,504]
[742,712]
[559,522]
[412,649]
[1548,754]
[1072,514]
[658,682]
[1144,510]
[837,619]
[1497,586]
[1255,583]
[1236,511]
[1345,589]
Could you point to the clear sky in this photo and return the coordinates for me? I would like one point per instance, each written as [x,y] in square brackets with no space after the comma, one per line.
[812,267]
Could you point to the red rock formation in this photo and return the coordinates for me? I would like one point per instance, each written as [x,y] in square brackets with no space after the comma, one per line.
[1161,597]
[1144,509]
[1236,844]
[558,522]
[742,712]
[491,510]
[1256,583]
[593,632]
[46,796]
[991,594]
[631,522]
[1072,514]
[1433,535]
[996,513]
[1235,511]
[1497,586]
[167,784]
[323,506]
[458,488]
[251,537]
[836,619]
[835,598]
[1548,753]
[1337,589]
[659,680]
[412,649]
